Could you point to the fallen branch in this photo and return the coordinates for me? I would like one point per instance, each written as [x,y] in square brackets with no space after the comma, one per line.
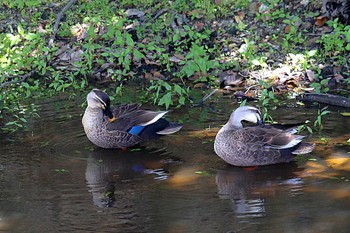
[335,100]
[201,102]
[14,81]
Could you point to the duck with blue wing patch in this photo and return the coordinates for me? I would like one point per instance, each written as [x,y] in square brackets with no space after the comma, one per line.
[124,126]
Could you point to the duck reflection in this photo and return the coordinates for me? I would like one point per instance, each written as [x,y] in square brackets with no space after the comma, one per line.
[107,168]
[248,188]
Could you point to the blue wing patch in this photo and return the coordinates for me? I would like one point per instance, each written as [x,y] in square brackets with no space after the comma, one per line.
[136,130]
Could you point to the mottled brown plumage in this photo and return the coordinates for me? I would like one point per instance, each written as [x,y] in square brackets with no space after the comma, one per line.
[125,126]
[257,145]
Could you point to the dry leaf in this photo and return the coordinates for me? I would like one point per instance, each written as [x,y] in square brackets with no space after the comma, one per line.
[157,74]
[310,75]
[320,21]
[338,77]
[287,29]
[199,25]
[241,15]
[174,59]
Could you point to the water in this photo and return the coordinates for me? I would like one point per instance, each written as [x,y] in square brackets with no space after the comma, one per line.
[54,180]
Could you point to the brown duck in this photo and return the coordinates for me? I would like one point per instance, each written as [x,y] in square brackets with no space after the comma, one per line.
[257,145]
[124,126]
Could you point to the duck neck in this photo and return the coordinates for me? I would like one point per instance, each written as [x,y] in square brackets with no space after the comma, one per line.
[92,118]
[234,122]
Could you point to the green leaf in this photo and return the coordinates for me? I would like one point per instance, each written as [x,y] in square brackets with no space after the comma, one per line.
[312,52]
[167,86]
[347,114]
[10,123]
[166,100]
[20,29]
[25,85]
[138,54]
[178,89]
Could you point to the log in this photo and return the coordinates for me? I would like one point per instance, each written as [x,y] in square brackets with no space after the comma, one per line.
[335,100]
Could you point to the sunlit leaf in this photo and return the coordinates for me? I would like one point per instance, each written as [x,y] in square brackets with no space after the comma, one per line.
[345,114]
[20,29]
[312,52]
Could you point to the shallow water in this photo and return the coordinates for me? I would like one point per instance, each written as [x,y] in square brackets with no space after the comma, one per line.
[54,180]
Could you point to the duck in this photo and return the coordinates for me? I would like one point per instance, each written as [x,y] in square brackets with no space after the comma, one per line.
[125,125]
[259,144]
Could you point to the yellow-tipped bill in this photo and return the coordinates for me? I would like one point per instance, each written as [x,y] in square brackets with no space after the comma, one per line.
[112,119]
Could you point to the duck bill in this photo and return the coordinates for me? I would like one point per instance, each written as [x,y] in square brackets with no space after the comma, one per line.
[107,111]
[260,122]
[113,119]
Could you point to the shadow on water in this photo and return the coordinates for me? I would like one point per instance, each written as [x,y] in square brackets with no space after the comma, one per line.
[54,180]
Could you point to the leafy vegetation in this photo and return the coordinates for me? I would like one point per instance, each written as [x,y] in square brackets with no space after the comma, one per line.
[168,49]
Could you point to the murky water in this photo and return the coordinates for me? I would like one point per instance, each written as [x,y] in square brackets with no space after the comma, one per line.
[54,180]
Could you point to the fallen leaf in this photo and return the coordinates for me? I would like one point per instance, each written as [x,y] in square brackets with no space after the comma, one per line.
[320,21]
[199,25]
[338,77]
[310,75]
[174,59]
[237,19]
[287,29]
[134,12]
[241,15]
[157,74]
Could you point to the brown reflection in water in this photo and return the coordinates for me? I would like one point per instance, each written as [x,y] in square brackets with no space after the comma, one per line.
[237,183]
[184,176]
[107,169]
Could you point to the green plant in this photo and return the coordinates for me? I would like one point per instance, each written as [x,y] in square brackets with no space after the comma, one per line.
[337,43]
[306,126]
[301,61]
[267,100]
[162,93]
[320,87]
[247,50]
[197,60]
[318,124]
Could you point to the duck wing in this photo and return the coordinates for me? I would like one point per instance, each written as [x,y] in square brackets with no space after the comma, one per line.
[137,117]
[271,137]
[125,109]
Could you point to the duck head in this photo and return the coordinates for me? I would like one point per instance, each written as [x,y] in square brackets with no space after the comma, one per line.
[100,100]
[246,113]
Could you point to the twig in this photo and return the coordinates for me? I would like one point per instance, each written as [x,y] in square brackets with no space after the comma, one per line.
[201,102]
[55,28]
[23,78]
[58,20]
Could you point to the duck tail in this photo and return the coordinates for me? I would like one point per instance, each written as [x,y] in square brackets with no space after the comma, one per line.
[160,128]
[304,148]
[172,128]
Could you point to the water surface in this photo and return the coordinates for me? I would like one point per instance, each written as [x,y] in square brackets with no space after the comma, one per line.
[54,180]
